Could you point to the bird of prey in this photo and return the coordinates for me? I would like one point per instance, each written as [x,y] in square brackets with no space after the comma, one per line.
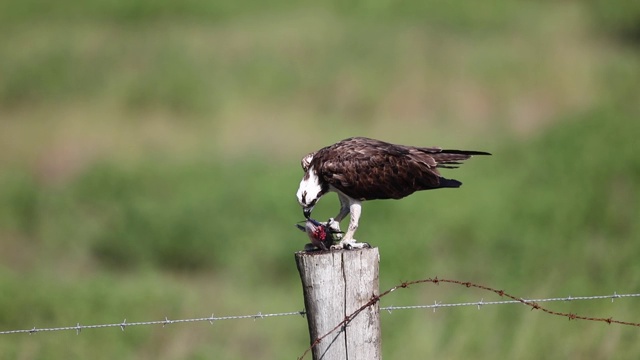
[360,169]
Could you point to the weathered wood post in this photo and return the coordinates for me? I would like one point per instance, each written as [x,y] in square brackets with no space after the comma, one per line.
[335,284]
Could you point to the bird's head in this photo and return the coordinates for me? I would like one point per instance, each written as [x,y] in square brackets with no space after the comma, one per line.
[310,191]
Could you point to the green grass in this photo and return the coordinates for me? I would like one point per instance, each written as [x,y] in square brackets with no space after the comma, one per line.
[570,231]
[149,157]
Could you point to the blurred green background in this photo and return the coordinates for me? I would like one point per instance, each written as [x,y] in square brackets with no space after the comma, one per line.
[149,158]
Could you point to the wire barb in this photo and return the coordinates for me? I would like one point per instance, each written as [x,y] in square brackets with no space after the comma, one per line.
[166,321]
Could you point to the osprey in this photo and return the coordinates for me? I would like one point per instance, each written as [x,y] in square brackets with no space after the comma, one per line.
[360,169]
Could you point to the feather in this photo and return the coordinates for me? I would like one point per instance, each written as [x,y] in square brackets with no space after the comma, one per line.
[368,169]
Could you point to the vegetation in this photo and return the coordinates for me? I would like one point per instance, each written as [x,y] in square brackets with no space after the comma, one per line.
[149,159]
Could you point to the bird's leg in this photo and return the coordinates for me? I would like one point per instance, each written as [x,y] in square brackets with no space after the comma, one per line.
[354,209]
[344,208]
[334,223]
[347,240]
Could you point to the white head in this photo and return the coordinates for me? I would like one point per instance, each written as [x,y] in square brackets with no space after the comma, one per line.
[310,191]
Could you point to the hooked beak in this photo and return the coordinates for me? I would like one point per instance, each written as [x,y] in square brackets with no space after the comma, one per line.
[307,212]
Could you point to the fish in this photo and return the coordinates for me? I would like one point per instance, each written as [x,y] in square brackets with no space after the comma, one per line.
[321,235]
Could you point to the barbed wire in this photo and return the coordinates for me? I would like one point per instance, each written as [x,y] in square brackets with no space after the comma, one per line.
[211,319]
[480,303]
[124,324]
[534,304]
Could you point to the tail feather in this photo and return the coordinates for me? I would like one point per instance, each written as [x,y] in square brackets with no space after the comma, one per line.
[449,183]
[452,159]
[465,152]
[448,164]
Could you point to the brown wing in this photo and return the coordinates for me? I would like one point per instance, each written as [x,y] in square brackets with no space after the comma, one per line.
[369,169]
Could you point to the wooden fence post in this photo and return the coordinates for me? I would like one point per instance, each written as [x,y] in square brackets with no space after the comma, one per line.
[335,284]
